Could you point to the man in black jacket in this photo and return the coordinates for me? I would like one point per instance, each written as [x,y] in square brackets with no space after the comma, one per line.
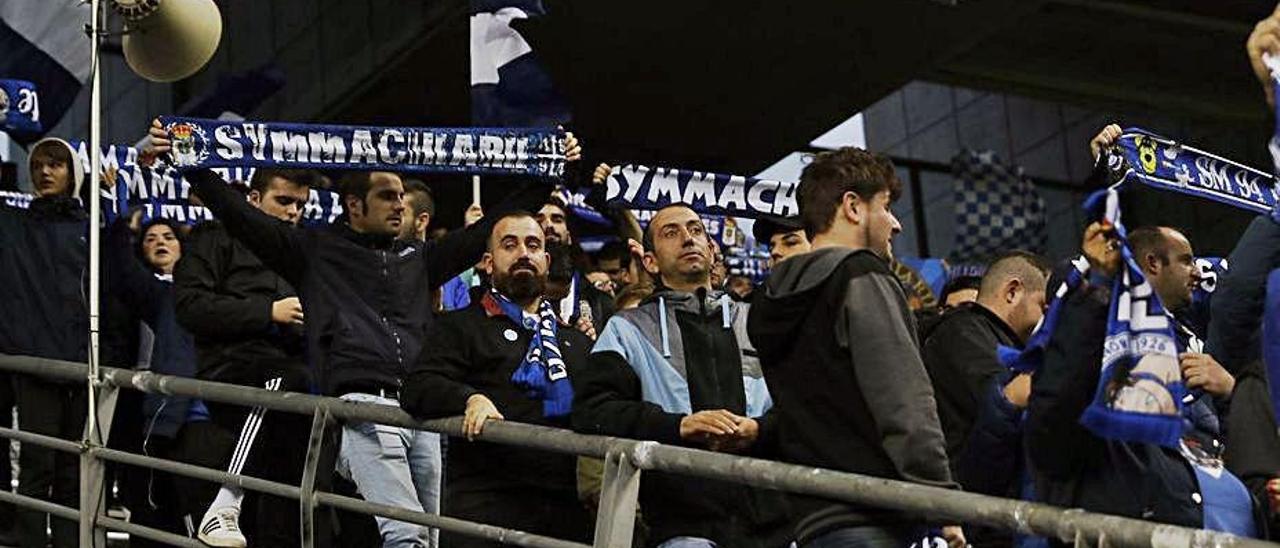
[43,268]
[960,353]
[838,346]
[716,399]
[468,365]
[247,324]
[368,302]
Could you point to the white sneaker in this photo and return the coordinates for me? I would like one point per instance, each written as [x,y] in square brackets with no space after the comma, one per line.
[221,528]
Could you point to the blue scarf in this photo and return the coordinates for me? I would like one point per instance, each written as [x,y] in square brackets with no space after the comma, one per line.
[19,107]
[200,143]
[542,374]
[1168,165]
[1139,395]
[643,187]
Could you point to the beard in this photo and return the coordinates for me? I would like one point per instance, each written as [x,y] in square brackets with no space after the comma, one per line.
[522,285]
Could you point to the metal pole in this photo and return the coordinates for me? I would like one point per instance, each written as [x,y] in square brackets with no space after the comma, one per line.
[90,475]
[619,499]
[307,494]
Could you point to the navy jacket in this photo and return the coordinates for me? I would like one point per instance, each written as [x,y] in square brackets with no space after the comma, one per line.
[44,257]
[152,298]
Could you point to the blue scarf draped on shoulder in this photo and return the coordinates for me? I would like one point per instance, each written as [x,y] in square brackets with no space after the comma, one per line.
[542,374]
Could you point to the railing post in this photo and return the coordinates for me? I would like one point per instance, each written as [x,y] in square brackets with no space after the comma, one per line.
[93,470]
[307,495]
[619,498]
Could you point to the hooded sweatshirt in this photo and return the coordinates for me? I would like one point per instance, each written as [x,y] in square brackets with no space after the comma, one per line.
[676,354]
[838,347]
[44,257]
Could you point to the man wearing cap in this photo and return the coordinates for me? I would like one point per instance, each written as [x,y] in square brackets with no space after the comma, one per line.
[784,235]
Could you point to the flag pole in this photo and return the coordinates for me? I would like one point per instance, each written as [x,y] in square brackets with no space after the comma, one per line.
[89,507]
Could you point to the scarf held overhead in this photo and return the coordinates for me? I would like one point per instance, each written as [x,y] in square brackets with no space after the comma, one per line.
[1140,390]
[643,187]
[203,143]
[1165,164]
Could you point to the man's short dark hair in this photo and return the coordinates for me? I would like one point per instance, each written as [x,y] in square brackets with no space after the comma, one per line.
[262,177]
[422,199]
[1153,240]
[647,239]
[517,214]
[615,251]
[831,174]
[1024,265]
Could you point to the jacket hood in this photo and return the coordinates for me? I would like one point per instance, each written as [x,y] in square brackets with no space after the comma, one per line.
[782,305]
[716,302]
[77,166]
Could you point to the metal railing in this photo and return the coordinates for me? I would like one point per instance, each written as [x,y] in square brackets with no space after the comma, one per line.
[624,461]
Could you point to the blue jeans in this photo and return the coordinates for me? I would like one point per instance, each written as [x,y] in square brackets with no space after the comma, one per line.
[687,542]
[393,466]
[860,537]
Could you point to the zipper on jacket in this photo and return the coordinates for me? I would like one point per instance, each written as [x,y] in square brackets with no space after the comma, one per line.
[386,278]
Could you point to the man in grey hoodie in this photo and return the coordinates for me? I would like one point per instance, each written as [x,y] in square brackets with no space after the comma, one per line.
[838,347]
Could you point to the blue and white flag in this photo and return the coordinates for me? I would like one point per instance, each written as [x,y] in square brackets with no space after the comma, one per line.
[1165,164]
[44,43]
[1140,391]
[207,143]
[644,187]
[19,108]
[997,208]
[508,86]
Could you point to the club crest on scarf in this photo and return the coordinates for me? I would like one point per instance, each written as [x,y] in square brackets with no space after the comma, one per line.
[190,144]
[1139,395]
[542,373]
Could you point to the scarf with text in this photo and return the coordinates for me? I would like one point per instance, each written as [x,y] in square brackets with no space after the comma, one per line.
[1140,391]
[542,373]
[203,143]
[643,187]
[19,107]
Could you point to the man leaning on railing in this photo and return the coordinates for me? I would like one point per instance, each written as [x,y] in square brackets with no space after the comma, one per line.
[485,362]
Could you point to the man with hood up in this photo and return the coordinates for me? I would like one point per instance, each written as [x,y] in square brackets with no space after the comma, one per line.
[678,369]
[838,346]
[44,257]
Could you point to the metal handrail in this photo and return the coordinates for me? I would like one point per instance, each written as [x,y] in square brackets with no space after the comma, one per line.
[624,460]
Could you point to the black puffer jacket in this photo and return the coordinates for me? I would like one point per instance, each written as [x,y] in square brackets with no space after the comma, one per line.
[44,257]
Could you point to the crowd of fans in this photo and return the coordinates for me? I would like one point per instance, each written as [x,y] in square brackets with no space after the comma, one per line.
[826,364]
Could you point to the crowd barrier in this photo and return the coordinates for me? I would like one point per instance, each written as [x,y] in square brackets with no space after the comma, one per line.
[624,462]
